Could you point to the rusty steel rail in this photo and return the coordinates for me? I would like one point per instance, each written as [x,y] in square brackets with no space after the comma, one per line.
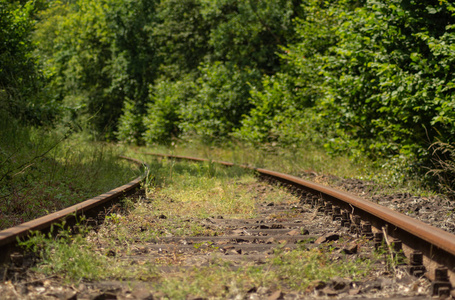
[8,237]
[436,245]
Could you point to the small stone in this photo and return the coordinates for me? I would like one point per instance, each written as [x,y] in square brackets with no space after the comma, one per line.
[327,238]
[293,232]
[270,240]
[329,292]
[17,259]
[339,283]
[291,296]
[238,231]
[142,294]
[318,284]
[47,283]
[67,295]
[253,296]
[351,248]
[104,296]
[232,252]
[353,292]
[276,295]
[262,290]
[210,220]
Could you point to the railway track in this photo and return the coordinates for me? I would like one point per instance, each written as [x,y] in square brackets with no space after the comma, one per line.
[356,224]
[430,251]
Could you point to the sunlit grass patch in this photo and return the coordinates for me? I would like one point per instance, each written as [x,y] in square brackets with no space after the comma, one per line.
[201,190]
[299,268]
[180,193]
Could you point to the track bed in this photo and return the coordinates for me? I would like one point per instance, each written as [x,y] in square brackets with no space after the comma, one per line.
[286,248]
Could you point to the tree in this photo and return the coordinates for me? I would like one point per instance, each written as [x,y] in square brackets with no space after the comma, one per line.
[97,54]
[19,77]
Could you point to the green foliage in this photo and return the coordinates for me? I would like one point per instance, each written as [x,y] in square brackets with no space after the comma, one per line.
[220,101]
[286,109]
[164,115]
[280,113]
[96,54]
[249,33]
[444,167]
[182,35]
[100,58]
[368,77]
[380,84]
[372,77]
[383,81]
[129,125]
[20,79]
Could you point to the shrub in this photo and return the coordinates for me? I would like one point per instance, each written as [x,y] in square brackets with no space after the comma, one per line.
[163,118]
[220,101]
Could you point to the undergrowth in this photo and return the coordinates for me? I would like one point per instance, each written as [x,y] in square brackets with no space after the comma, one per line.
[42,172]
[444,167]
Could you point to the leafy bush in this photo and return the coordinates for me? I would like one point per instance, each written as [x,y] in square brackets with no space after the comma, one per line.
[20,77]
[391,82]
[220,101]
[130,127]
[163,118]
[276,115]
[375,77]
[182,35]
[249,33]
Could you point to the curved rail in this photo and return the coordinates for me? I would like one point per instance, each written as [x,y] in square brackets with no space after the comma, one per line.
[437,246]
[8,237]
